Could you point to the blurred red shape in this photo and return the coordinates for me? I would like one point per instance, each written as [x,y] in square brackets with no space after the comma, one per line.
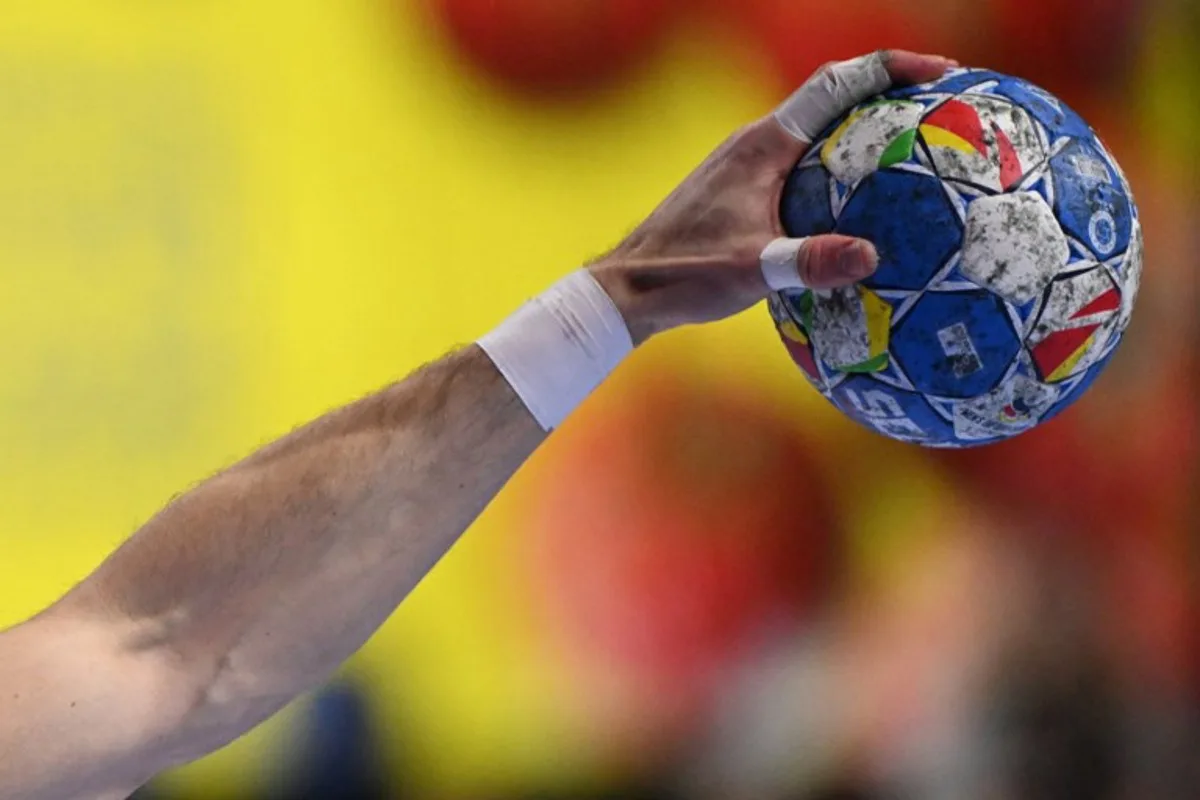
[678,524]
[1078,49]
[555,46]
[799,36]
[1114,472]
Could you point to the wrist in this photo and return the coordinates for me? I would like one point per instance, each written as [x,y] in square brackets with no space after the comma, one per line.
[560,346]
[633,297]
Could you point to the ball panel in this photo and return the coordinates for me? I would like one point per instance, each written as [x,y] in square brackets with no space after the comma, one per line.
[850,329]
[1025,315]
[1017,405]
[911,222]
[1090,202]
[1130,272]
[1122,178]
[874,137]
[1053,114]
[1013,245]
[806,209]
[893,412]
[1077,322]
[956,344]
[803,357]
[793,331]
[983,141]
[1072,390]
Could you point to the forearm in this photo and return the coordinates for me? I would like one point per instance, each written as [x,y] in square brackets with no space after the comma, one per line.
[259,583]
[265,578]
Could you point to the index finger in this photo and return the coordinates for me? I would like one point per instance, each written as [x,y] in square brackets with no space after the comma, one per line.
[837,88]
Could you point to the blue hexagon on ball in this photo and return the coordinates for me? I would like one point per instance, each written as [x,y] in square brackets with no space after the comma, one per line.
[1009,260]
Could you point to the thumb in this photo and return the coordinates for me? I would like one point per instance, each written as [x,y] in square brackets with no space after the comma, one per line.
[817,262]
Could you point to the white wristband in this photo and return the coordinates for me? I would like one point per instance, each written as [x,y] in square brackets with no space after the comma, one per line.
[557,348]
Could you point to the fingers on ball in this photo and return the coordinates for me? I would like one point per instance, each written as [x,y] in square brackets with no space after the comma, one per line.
[819,262]
[827,262]
[907,67]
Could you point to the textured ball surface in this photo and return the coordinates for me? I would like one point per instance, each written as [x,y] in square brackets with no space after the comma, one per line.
[1010,256]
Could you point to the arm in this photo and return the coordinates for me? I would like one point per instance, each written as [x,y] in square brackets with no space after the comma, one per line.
[256,585]
[259,583]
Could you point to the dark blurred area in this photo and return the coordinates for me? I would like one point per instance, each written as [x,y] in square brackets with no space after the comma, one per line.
[708,584]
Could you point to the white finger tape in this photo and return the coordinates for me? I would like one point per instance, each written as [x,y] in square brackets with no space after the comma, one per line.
[832,92]
[557,348]
[780,264]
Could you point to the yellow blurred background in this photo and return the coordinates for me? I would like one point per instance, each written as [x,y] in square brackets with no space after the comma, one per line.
[220,219]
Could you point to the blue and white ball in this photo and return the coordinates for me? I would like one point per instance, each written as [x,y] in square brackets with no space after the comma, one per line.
[1010,256]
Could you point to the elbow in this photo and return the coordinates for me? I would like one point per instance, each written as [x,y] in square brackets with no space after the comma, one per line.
[99,709]
[215,699]
[166,702]
[171,698]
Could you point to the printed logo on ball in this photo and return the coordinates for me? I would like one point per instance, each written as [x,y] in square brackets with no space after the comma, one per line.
[957,345]
[1014,407]
[885,414]
[1076,324]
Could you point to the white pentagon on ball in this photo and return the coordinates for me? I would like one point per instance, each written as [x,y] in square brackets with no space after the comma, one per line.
[1013,245]
[857,147]
[850,328]
[841,320]
[1131,273]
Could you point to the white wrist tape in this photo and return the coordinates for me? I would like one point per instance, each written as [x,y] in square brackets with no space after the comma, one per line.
[831,92]
[557,348]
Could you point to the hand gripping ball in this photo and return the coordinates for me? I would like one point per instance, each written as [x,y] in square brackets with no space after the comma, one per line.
[1010,255]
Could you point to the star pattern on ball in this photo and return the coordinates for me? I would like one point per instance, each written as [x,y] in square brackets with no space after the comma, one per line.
[1010,254]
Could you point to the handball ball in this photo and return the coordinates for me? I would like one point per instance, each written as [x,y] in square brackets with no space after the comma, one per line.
[1009,259]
